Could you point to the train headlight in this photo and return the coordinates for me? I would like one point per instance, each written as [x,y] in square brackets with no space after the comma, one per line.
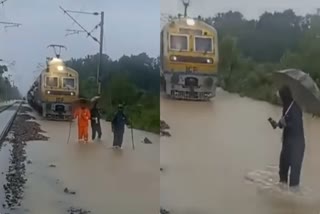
[190,22]
[48,92]
[60,68]
[209,61]
[173,58]
[71,93]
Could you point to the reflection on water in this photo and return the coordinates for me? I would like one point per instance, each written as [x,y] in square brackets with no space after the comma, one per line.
[212,148]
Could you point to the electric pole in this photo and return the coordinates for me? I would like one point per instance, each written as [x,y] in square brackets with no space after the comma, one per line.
[89,34]
[100,53]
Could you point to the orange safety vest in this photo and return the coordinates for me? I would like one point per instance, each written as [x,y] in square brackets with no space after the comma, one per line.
[83,116]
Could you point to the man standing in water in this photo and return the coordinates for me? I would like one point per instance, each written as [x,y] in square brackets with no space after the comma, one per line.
[118,123]
[293,142]
[95,122]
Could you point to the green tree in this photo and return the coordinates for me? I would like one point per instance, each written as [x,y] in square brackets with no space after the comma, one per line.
[7,91]
[251,49]
[131,80]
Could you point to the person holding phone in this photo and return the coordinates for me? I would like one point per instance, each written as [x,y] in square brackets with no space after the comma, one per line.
[293,141]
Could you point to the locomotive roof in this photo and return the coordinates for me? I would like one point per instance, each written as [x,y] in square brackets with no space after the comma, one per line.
[56,61]
[184,21]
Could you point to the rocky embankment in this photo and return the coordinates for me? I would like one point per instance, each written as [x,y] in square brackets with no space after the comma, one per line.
[22,130]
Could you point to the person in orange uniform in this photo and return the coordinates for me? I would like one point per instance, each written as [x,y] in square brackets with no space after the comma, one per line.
[83,115]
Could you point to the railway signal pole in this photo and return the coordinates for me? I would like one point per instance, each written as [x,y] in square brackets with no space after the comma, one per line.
[89,34]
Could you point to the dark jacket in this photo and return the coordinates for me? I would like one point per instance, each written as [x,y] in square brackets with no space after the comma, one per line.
[293,119]
[119,121]
[95,113]
[293,143]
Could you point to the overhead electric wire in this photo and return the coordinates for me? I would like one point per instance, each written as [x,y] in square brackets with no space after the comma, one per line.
[73,19]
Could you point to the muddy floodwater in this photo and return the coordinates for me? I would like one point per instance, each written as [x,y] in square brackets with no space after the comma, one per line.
[64,176]
[215,145]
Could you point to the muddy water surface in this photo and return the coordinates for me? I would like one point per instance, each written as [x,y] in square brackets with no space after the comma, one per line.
[98,178]
[215,145]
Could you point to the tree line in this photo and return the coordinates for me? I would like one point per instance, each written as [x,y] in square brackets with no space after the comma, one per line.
[132,81]
[251,49]
[7,90]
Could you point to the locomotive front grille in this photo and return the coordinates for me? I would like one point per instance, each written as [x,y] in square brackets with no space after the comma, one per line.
[60,108]
[191,82]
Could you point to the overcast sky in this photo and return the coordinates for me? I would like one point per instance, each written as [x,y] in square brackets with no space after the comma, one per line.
[250,8]
[131,27]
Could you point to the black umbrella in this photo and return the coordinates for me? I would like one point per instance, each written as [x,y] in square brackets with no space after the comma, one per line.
[305,91]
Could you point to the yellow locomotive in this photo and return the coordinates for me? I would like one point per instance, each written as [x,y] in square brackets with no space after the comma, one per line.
[189,59]
[54,91]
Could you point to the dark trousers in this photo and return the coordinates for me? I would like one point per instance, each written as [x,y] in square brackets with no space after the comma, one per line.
[96,128]
[117,138]
[291,157]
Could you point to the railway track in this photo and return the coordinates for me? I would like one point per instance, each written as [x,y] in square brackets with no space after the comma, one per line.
[4,106]
[8,114]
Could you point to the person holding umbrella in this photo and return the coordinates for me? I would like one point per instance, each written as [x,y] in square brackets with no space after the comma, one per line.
[118,124]
[95,120]
[297,92]
[293,142]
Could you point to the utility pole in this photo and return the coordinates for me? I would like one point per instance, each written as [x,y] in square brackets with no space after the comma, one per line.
[100,53]
[89,34]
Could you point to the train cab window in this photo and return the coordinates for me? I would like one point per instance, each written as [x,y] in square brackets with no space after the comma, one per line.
[179,42]
[68,83]
[52,81]
[203,44]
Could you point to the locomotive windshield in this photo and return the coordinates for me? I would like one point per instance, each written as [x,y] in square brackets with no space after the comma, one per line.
[179,43]
[52,81]
[203,44]
[68,83]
